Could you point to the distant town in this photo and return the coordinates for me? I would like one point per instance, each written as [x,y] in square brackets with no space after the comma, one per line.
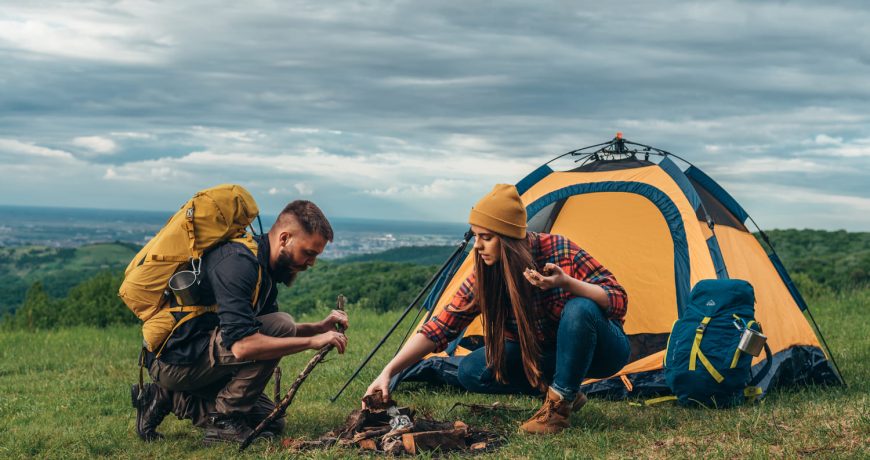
[72,227]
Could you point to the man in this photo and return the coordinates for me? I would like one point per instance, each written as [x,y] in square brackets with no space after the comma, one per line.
[215,367]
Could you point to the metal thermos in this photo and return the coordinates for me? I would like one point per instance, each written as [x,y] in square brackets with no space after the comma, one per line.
[752,342]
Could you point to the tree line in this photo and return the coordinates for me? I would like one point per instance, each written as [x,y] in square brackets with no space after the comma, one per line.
[822,264]
[380,286]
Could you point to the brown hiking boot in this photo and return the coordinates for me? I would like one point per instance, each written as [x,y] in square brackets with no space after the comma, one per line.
[552,417]
[152,405]
[230,428]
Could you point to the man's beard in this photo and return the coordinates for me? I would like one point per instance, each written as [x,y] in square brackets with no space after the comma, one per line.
[285,276]
[283,272]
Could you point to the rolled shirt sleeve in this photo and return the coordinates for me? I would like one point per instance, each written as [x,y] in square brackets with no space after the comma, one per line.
[454,318]
[586,268]
[234,280]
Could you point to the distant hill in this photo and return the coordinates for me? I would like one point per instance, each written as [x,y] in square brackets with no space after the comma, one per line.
[837,260]
[821,262]
[420,255]
[59,269]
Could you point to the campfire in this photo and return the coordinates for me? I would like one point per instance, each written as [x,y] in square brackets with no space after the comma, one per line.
[389,429]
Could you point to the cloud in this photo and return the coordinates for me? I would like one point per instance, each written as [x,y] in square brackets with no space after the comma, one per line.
[763,165]
[476,80]
[82,34]
[132,135]
[18,148]
[373,105]
[436,190]
[151,171]
[824,139]
[838,147]
[303,189]
[803,196]
[96,144]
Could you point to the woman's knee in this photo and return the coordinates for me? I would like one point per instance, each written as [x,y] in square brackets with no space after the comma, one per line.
[472,371]
[580,310]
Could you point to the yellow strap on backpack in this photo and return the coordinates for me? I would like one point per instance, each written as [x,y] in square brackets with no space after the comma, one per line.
[654,401]
[197,311]
[738,351]
[752,393]
[194,312]
[696,352]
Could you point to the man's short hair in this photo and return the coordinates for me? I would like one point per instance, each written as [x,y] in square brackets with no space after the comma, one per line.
[309,216]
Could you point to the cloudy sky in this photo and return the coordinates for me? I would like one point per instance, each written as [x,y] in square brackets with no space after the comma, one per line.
[412,110]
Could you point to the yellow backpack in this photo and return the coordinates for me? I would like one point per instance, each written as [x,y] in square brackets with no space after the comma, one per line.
[213,215]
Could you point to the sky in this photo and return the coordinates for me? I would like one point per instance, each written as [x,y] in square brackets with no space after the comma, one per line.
[413,110]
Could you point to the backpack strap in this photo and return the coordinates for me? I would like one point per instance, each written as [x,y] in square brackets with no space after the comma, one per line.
[193,312]
[249,242]
[197,311]
[191,230]
[768,363]
[654,401]
[696,353]
[753,392]
[256,295]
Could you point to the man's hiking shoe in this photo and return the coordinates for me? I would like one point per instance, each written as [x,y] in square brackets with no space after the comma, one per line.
[552,417]
[152,405]
[229,428]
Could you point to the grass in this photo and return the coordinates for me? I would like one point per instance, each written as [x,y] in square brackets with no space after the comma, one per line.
[65,394]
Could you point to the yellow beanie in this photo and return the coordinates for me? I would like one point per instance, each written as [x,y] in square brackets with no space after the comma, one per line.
[501,211]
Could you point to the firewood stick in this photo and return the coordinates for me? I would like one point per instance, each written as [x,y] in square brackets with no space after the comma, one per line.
[277,381]
[291,393]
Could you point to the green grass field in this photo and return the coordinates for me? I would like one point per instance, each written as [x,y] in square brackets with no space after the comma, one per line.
[65,394]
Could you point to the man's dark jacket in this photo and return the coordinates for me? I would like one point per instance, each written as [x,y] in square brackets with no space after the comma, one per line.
[230,276]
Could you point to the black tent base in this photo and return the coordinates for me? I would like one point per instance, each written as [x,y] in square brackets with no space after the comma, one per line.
[795,366]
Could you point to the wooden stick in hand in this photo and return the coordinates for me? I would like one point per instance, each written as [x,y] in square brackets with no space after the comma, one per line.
[291,393]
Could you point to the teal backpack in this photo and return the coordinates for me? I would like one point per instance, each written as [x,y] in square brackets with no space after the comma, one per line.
[703,365]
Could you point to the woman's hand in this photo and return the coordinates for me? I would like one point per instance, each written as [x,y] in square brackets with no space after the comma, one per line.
[382,384]
[554,277]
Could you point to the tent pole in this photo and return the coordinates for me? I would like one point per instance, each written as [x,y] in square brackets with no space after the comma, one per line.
[428,315]
[825,343]
[411,327]
[383,340]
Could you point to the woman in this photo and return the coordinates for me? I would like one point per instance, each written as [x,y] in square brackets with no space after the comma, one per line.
[561,324]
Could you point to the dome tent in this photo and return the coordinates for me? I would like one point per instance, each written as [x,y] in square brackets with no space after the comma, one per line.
[659,229]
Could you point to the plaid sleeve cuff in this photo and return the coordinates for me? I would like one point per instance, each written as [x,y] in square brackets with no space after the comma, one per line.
[618,301]
[435,332]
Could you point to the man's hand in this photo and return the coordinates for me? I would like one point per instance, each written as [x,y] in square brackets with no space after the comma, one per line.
[335,316]
[554,277]
[335,338]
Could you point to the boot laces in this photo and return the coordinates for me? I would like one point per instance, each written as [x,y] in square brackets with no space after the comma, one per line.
[544,412]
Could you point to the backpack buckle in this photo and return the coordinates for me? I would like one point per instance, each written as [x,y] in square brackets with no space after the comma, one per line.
[701,328]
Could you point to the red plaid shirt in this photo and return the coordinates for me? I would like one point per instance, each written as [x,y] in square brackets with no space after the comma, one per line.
[546,248]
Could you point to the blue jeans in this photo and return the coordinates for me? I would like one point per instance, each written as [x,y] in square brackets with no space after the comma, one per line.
[588,345]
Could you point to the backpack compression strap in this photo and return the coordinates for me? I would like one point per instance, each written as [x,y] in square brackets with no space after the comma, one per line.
[753,391]
[696,353]
[194,312]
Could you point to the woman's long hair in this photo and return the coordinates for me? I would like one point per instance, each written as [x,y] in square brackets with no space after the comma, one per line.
[502,288]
